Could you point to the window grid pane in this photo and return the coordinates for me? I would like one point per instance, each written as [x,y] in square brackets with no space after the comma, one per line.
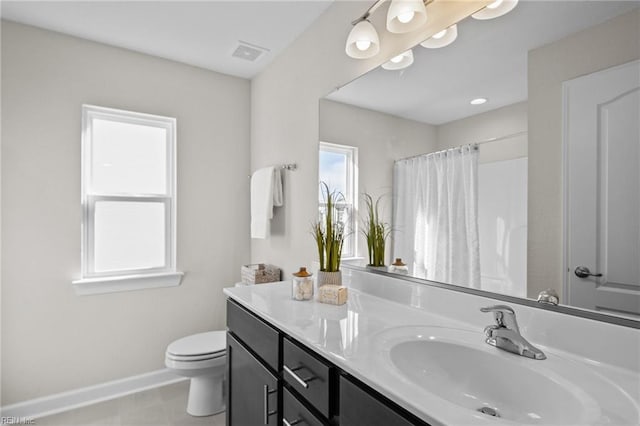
[128,158]
[334,168]
[129,235]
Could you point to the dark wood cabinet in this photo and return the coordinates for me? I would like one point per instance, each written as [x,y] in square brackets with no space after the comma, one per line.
[295,413]
[309,375]
[273,379]
[252,390]
[360,406]
[260,337]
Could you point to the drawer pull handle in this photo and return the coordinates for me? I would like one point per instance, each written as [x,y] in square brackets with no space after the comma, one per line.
[288,423]
[267,413]
[292,373]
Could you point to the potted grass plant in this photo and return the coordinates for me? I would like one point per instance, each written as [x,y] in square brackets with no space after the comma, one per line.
[328,233]
[375,232]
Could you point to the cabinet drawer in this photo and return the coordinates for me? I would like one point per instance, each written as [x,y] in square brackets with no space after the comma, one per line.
[307,375]
[294,413]
[360,407]
[255,333]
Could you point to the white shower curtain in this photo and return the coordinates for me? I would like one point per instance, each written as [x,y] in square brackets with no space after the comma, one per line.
[436,215]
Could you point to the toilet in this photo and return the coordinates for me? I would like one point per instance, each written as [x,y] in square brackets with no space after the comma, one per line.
[201,357]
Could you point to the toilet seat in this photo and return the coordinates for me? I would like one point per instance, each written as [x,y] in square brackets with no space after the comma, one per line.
[201,346]
[195,357]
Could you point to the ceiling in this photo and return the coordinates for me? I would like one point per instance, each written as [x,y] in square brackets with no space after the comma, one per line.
[200,33]
[489,59]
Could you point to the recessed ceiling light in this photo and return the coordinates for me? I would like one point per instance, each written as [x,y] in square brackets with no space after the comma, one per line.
[478,101]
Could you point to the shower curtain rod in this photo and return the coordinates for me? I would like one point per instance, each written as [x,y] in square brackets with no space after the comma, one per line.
[473,144]
[444,151]
[511,135]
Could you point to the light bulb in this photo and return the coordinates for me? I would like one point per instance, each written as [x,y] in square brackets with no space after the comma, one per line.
[495,9]
[405,17]
[363,44]
[442,38]
[439,35]
[399,62]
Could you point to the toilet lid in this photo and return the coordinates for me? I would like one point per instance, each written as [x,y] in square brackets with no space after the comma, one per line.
[199,344]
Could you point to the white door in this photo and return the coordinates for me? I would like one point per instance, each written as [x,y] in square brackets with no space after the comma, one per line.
[602,192]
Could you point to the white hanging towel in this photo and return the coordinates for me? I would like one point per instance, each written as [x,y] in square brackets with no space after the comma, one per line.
[266,192]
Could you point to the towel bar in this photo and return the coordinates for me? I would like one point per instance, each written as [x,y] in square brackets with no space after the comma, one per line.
[293,167]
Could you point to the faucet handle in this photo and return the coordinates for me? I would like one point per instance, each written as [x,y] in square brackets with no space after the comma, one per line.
[504,316]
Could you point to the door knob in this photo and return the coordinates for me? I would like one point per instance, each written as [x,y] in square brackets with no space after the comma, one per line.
[584,272]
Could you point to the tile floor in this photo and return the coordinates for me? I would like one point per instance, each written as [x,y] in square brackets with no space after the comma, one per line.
[165,406]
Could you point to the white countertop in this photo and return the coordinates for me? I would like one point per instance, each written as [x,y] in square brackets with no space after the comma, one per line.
[356,337]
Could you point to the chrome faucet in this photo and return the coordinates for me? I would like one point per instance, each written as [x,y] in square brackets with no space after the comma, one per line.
[506,334]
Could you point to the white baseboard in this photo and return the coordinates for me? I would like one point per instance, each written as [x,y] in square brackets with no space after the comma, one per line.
[82,397]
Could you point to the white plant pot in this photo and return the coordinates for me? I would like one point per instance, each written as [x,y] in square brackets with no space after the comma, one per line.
[333,278]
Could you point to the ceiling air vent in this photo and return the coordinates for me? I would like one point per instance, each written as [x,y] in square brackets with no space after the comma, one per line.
[248,51]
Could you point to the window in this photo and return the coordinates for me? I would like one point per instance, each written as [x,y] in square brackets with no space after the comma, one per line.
[128,201]
[339,170]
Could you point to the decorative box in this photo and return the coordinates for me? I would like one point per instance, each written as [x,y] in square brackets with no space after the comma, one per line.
[332,294]
[259,273]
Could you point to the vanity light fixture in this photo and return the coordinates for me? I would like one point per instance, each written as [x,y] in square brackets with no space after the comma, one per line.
[363,41]
[495,9]
[441,39]
[478,101]
[405,16]
[399,62]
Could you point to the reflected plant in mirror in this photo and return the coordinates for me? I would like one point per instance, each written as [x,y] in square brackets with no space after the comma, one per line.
[551,190]
[375,231]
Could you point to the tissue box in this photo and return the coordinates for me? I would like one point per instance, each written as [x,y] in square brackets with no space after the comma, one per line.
[332,294]
[259,273]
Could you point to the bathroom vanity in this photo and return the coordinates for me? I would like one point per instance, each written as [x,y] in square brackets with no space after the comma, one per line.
[274,379]
[402,353]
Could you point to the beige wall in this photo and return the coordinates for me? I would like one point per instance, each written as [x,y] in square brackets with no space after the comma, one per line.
[52,339]
[612,43]
[381,139]
[507,124]
[285,116]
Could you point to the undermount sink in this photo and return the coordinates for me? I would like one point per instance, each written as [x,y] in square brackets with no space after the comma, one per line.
[492,385]
[455,371]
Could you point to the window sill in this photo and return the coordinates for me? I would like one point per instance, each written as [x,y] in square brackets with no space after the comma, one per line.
[103,285]
[353,261]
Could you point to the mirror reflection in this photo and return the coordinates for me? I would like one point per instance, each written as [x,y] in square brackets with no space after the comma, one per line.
[479,193]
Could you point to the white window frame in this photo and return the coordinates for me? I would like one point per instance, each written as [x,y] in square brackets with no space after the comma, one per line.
[351,198]
[92,281]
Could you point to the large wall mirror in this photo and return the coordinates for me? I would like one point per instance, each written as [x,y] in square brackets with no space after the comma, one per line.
[550,72]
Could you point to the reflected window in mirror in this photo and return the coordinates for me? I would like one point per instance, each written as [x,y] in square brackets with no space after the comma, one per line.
[338,167]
